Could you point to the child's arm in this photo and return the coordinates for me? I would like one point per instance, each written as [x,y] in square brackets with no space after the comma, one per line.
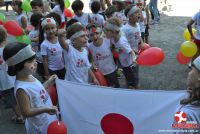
[45,64]
[189,26]
[27,110]
[61,39]
[94,79]
[24,22]
[50,81]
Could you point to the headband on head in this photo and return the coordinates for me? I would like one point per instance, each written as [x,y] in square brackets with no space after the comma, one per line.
[133,10]
[196,63]
[77,34]
[111,26]
[47,21]
[95,30]
[21,56]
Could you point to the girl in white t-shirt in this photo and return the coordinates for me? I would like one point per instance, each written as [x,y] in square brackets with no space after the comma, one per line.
[126,55]
[51,50]
[21,17]
[59,9]
[76,54]
[34,101]
[100,49]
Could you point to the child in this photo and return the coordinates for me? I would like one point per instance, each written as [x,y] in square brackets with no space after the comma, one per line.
[56,17]
[59,9]
[51,50]
[6,81]
[37,6]
[109,12]
[119,5]
[83,18]
[126,55]
[34,36]
[7,3]
[34,101]
[76,54]
[191,105]
[144,28]
[95,16]
[21,17]
[195,20]
[100,49]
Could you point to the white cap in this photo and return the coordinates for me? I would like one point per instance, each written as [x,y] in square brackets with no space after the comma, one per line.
[196,63]
[48,21]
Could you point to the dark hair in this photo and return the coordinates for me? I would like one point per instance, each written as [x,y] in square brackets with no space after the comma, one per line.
[18,3]
[127,9]
[62,4]
[35,19]
[76,27]
[10,50]
[70,22]
[36,3]
[95,7]
[3,34]
[194,95]
[55,16]
[77,5]
[110,10]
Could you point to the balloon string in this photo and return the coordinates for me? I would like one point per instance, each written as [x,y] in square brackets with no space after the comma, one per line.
[58,117]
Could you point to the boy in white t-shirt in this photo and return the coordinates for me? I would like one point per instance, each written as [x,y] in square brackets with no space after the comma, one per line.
[83,18]
[76,55]
[100,49]
[119,5]
[126,55]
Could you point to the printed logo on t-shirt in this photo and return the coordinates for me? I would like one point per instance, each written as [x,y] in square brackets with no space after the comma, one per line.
[81,63]
[101,57]
[53,50]
[136,35]
[43,96]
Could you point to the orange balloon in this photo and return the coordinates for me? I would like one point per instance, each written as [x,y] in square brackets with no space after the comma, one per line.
[57,127]
[182,59]
[146,46]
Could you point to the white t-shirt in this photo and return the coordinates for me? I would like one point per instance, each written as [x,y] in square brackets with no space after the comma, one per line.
[54,53]
[121,16]
[35,45]
[97,18]
[133,35]
[142,23]
[57,10]
[6,81]
[103,57]
[196,19]
[77,65]
[19,18]
[84,19]
[125,57]
[38,97]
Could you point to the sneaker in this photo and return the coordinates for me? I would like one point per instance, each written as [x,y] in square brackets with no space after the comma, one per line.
[7,14]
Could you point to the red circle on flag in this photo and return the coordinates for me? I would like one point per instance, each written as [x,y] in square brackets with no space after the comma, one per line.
[114,123]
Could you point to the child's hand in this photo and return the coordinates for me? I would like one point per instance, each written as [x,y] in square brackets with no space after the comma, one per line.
[61,33]
[96,82]
[52,79]
[53,110]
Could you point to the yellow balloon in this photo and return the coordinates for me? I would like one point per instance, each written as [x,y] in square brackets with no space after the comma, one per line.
[186,34]
[188,48]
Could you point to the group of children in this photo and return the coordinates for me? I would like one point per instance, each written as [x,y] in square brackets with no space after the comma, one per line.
[70,50]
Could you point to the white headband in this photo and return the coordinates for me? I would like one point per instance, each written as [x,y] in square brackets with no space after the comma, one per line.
[111,26]
[48,21]
[77,34]
[22,55]
[132,10]
[95,30]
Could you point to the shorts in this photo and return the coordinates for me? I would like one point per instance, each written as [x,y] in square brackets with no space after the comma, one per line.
[112,79]
[131,74]
[7,3]
[8,98]
[40,69]
[197,42]
[59,73]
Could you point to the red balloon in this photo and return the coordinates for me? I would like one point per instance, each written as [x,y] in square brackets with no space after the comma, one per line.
[146,46]
[53,94]
[57,127]
[151,56]
[1,22]
[115,54]
[68,13]
[13,28]
[114,123]
[100,77]
[182,59]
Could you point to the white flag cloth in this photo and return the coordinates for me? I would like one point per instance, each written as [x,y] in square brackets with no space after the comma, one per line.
[82,107]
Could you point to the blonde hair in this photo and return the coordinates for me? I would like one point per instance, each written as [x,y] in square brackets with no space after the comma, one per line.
[115,21]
